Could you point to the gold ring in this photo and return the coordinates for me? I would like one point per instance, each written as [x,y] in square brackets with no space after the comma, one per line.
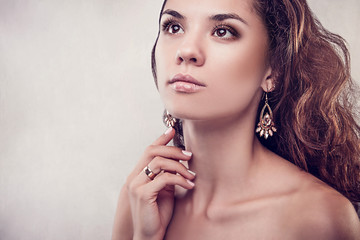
[149,173]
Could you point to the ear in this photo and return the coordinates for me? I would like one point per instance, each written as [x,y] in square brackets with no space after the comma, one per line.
[268,83]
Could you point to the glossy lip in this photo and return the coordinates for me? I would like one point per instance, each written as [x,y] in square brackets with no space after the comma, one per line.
[186,78]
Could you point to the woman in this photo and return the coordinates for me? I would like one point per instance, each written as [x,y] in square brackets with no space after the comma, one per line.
[257,93]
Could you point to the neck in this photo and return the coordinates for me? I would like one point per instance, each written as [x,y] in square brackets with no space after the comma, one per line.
[225,153]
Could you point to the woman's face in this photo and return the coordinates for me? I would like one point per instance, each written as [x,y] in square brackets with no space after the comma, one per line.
[221,44]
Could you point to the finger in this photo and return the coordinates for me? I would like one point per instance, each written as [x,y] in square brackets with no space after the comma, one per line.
[171,169]
[170,152]
[167,179]
[162,164]
[166,137]
[153,151]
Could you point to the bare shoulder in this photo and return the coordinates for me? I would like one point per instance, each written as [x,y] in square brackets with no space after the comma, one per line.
[320,212]
[313,209]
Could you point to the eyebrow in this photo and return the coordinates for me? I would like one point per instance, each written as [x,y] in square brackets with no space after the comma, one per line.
[173,13]
[222,17]
[216,17]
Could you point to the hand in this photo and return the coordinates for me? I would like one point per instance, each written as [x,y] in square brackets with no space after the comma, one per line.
[152,201]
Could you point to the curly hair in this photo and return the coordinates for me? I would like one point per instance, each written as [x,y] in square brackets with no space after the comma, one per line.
[314,101]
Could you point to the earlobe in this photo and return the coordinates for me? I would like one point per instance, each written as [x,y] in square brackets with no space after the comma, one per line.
[268,84]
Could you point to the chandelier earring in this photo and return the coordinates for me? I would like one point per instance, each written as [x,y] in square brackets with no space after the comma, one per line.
[266,126]
[168,119]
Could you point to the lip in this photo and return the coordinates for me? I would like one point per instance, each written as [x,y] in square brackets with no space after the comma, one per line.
[186,78]
[185,84]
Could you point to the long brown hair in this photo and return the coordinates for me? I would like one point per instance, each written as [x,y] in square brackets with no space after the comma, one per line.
[314,101]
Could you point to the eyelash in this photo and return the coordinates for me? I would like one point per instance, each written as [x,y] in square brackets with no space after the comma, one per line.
[227,28]
[169,22]
[166,25]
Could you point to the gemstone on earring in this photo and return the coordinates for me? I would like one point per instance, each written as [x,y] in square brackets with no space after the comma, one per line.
[267,120]
[169,120]
[266,135]
[266,126]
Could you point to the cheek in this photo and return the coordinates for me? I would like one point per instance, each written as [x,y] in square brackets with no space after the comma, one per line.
[244,63]
[164,56]
[165,61]
[239,72]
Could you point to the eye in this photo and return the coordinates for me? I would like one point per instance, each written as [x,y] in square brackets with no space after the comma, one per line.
[222,33]
[175,28]
[172,27]
[225,32]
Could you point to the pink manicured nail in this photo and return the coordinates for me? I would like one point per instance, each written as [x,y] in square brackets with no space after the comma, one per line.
[192,172]
[191,183]
[187,153]
[168,130]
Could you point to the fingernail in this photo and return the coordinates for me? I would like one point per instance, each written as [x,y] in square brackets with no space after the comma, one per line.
[191,183]
[192,172]
[168,130]
[187,153]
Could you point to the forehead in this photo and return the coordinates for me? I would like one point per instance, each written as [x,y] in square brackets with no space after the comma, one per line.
[206,7]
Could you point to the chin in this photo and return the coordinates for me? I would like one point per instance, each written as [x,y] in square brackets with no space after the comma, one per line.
[182,112]
[176,113]
[195,113]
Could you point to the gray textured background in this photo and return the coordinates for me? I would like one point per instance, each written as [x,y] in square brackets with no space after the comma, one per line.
[78,106]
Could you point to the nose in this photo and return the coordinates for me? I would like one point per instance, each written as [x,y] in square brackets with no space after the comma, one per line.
[190,52]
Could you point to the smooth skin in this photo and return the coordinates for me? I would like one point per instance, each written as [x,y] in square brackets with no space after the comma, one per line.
[242,190]
[145,206]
